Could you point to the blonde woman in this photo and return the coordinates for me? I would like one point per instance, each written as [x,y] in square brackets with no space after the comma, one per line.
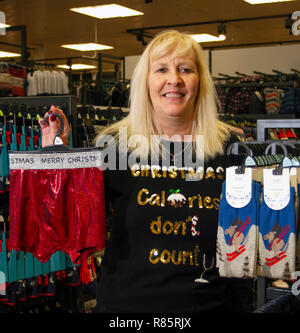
[194,117]
[165,200]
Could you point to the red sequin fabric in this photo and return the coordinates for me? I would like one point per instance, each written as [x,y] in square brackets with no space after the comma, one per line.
[57,209]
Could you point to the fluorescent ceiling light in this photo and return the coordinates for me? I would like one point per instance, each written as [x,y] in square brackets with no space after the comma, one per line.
[107,11]
[203,38]
[4,54]
[258,2]
[87,47]
[77,66]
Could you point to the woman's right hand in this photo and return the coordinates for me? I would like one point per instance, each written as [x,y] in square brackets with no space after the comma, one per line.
[50,130]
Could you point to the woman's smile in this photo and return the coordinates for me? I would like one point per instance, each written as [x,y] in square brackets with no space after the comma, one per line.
[173,86]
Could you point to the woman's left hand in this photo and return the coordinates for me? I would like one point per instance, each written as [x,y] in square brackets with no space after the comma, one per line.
[49,131]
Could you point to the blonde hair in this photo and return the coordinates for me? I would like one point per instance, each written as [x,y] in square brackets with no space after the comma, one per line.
[140,121]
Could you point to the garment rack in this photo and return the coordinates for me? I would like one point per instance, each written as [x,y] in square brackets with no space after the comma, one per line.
[263,292]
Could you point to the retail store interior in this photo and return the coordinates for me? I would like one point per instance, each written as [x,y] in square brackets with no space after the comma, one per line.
[53,53]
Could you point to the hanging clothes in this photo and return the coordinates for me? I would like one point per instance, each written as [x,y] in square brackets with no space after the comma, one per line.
[71,216]
[18,74]
[12,79]
[45,82]
[253,95]
[6,83]
[290,102]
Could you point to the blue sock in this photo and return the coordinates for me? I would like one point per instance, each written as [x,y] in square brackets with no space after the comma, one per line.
[277,240]
[237,236]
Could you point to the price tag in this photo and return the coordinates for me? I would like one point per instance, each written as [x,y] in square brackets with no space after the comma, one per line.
[238,187]
[276,189]
[58,141]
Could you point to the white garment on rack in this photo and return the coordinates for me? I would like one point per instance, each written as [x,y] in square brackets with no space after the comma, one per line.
[64,89]
[53,87]
[32,85]
[47,81]
[39,81]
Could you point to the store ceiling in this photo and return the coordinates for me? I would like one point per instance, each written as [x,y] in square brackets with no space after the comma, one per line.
[50,23]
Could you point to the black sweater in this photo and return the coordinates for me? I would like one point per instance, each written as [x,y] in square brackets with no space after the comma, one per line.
[161,253]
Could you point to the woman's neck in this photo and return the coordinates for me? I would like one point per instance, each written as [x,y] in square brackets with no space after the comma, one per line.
[176,131]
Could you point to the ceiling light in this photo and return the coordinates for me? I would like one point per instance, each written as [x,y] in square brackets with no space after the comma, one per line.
[3,25]
[258,2]
[203,38]
[107,11]
[4,54]
[87,47]
[77,66]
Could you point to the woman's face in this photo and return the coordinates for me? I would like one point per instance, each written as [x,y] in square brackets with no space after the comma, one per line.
[173,86]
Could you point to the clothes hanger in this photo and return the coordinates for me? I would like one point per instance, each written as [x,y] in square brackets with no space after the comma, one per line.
[57,141]
[286,161]
[248,160]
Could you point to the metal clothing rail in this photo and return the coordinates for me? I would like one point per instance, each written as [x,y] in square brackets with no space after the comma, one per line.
[243,19]
[265,84]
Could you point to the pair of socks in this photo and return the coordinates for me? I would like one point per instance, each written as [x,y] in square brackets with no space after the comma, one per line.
[277,240]
[237,236]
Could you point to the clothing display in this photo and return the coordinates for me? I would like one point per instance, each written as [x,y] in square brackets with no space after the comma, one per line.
[47,82]
[103,93]
[254,94]
[277,239]
[12,79]
[179,246]
[270,250]
[91,120]
[148,177]
[72,177]
[27,284]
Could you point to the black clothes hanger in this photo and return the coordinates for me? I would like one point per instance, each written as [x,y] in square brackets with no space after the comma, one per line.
[58,146]
[57,140]
[286,161]
[248,160]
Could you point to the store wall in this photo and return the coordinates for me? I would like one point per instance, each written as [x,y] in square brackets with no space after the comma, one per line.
[261,59]
[244,60]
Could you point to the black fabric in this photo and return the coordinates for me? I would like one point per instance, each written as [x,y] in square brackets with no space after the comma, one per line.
[136,279]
